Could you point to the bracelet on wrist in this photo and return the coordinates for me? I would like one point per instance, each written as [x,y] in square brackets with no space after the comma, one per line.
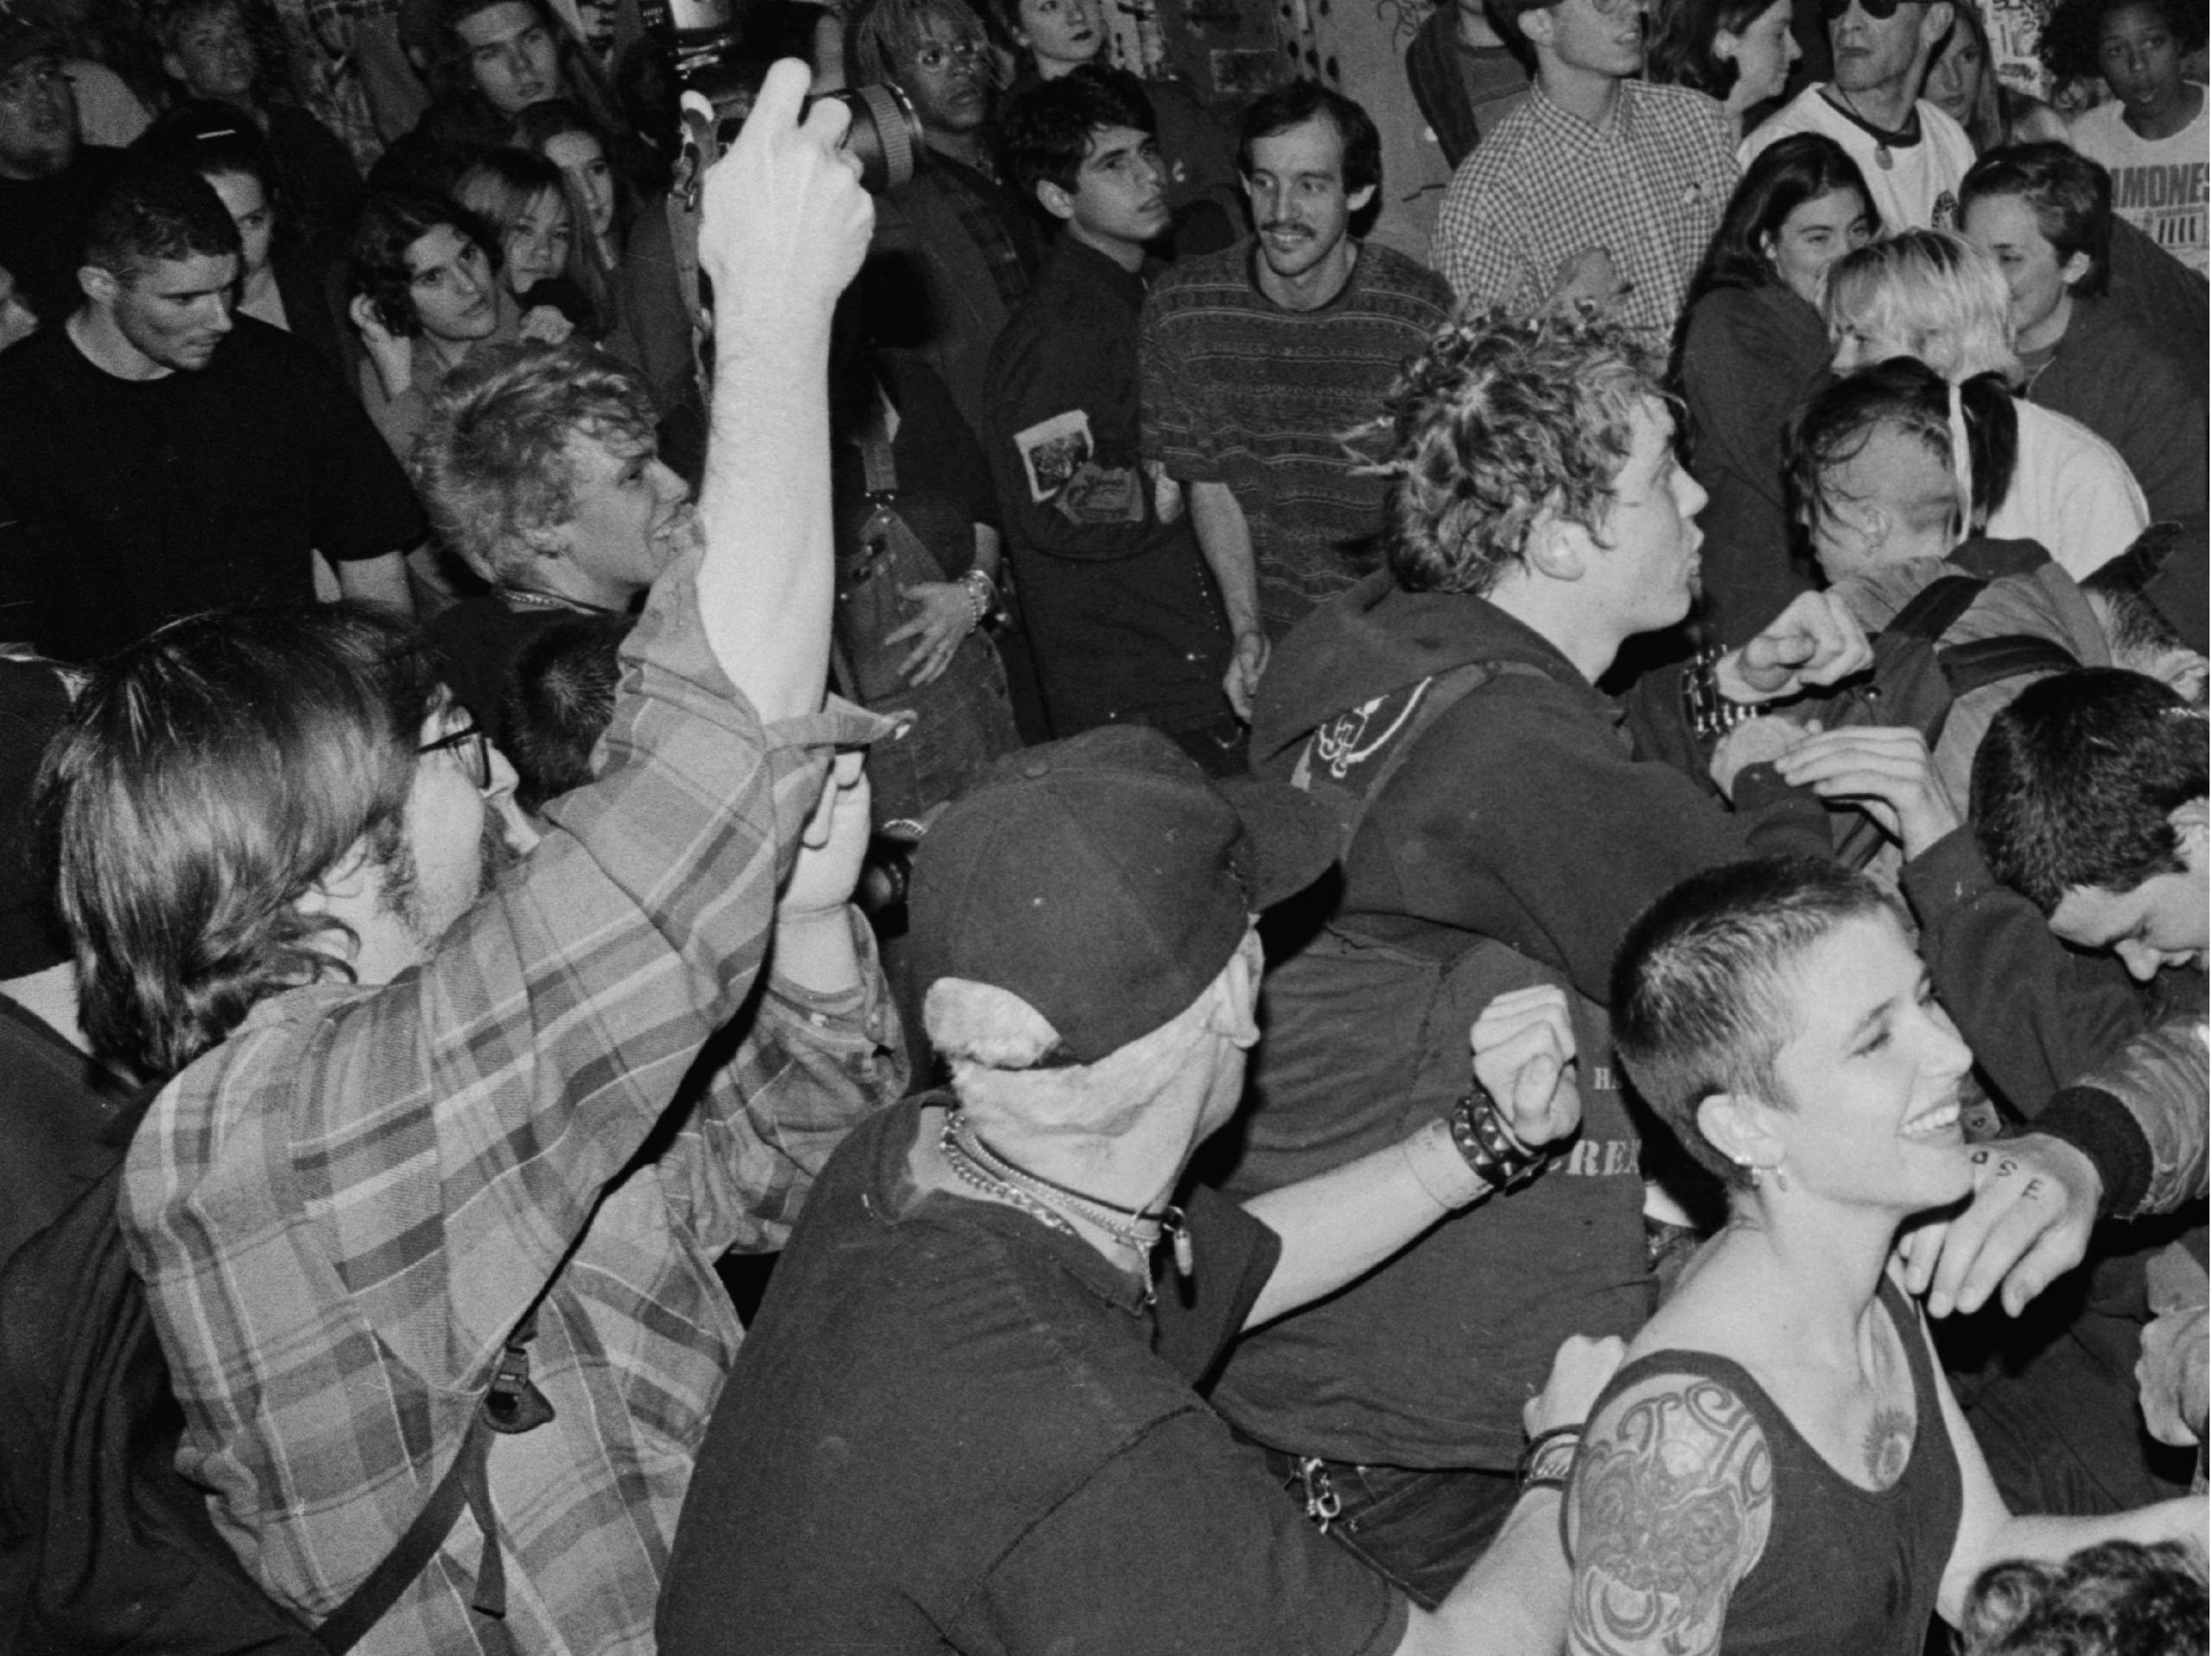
[1710,713]
[1549,1457]
[1433,1157]
[1497,1159]
[982,593]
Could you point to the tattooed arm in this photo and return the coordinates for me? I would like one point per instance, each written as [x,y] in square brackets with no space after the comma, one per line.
[1670,1505]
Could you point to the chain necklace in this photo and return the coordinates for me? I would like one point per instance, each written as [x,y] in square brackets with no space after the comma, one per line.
[1048,1202]
[1882,158]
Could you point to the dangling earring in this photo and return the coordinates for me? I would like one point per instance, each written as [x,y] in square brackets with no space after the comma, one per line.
[1781,1178]
[1745,1163]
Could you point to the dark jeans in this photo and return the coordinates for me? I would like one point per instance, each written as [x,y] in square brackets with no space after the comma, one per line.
[1418,1529]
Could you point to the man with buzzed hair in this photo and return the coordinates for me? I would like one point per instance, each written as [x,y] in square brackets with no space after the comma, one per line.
[165,454]
[969,1416]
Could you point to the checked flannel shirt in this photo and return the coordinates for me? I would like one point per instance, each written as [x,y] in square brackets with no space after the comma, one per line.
[341,1211]
[1647,184]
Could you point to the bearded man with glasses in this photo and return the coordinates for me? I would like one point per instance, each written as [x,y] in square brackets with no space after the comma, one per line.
[1913,157]
[1602,189]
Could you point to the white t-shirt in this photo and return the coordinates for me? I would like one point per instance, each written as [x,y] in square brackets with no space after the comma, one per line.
[1918,190]
[2157,185]
[2071,492]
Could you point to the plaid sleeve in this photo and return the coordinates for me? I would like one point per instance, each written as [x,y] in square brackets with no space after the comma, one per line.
[807,1070]
[1482,243]
[1175,424]
[435,1145]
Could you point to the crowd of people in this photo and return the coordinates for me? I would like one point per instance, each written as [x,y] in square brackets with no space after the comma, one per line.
[1065,911]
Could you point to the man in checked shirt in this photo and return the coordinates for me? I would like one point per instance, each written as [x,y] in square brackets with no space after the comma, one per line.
[1602,188]
[412,1113]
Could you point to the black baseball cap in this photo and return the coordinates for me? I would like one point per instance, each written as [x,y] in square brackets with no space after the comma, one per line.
[1106,880]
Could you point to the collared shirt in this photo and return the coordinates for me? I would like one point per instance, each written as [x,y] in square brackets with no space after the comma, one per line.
[1647,184]
[341,1212]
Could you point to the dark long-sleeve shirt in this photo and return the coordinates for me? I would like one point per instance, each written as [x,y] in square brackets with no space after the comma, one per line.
[1121,608]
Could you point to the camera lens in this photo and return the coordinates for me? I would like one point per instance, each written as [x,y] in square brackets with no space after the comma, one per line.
[886,134]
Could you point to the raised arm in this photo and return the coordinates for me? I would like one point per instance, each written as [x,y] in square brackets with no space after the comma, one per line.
[783,224]
[1669,1509]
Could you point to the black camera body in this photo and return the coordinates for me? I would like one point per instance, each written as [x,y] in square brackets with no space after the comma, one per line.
[720,80]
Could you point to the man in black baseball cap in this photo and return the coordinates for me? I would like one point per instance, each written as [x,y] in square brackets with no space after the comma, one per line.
[970,1414]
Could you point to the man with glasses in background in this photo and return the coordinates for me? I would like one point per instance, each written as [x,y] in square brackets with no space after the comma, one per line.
[954,249]
[1912,155]
[1601,189]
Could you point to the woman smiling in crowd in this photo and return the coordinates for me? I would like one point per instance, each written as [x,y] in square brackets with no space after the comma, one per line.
[1752,346]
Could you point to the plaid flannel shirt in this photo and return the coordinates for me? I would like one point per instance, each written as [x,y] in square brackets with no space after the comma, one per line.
[1647,184]
[342,1211]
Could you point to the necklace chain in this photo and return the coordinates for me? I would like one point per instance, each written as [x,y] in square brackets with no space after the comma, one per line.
[1136,1229]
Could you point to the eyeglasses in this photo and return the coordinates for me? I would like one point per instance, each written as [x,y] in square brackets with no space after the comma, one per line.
[1614,7]
[472,746]
[937,58]
[1880,11]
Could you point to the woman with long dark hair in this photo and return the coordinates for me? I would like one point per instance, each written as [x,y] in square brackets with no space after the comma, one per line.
[1736,51]
[1753,346]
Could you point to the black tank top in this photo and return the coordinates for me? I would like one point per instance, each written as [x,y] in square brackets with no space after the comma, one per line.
[1847,1571]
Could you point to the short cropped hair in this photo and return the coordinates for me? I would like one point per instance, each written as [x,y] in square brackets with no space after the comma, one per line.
[208,776]
[556,702]
[881,36]
[492,460]
[2075,782]
[1930,287]
[1782,178]
[1299,103]
[1008,1064]
[2069,194]
[1045,131]
[2118,1598]
[2069,41]
[157,209]
[1906,396]
[1701,985]
[390,223]
[1499,421]
[2133,626]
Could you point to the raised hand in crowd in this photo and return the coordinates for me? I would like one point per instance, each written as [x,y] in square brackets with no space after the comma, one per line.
[1523,1045]
[392,357]
[1814,641]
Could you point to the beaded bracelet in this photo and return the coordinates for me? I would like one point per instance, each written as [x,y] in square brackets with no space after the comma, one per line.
[1499,1160]
[1710,712]
[1549,1457]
